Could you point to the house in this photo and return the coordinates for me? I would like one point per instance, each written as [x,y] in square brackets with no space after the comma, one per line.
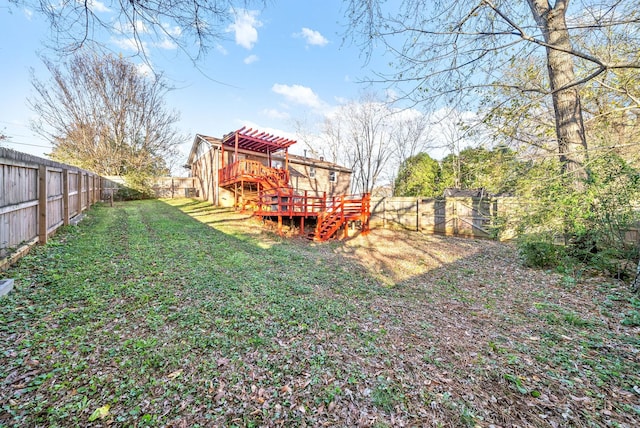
[252,170]
[316,176]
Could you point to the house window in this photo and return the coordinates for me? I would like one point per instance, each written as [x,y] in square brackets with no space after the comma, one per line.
[276,164]
[312,172]
[333,176]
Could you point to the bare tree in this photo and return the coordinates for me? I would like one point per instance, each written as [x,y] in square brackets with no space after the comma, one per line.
[358,135]
[101,114]
[192,25]
[454,128]
[371,138]
[408,138]
[459,48]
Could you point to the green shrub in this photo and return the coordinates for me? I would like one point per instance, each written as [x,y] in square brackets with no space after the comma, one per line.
[539,251]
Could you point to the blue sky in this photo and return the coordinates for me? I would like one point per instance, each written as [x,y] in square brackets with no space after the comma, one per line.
[283,64]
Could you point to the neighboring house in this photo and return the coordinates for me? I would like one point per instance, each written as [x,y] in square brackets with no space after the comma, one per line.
[211,156]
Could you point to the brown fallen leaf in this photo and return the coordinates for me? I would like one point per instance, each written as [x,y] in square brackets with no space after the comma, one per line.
[174,374]
[286,389]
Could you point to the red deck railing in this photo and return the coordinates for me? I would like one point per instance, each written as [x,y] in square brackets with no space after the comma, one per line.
[331,213]
[285,202]
[250,170]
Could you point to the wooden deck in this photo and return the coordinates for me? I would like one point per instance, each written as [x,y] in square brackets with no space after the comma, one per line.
[277,199]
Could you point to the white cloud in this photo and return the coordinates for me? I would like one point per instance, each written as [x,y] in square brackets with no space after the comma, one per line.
[172,31]
[127,27]
[251,59]
[298,94]
[167,44]
[341,100]
[141,27]
[129,44]
[392,95]
[221,49]
[144,69]
[275,114]
[97,6]
[312,37]
[28,13]
[246,28]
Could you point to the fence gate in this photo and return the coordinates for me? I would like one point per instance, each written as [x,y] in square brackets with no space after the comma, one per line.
[455,216]
[469,217]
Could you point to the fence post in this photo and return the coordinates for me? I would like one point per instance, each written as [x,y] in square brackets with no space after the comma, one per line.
[417,215]
[42,204]
[79,178]
[88,191]
[65,196]
[93,189]
[96,192]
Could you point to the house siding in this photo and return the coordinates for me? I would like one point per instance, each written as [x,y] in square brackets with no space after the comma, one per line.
[320,184]
[206,159]
[201,169]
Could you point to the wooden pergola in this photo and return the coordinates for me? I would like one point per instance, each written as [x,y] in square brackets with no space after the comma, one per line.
[256,141]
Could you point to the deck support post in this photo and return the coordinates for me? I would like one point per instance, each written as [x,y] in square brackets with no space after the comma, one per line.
[304,207]
[242,194]
[235,196]
[301,225]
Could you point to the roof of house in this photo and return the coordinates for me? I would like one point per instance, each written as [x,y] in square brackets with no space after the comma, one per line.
[318,163]
[211,141]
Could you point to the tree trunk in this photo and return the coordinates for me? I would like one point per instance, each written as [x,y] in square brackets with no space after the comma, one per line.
[572,142]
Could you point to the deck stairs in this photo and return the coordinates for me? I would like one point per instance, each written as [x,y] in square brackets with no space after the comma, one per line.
[328,224]
[345,210]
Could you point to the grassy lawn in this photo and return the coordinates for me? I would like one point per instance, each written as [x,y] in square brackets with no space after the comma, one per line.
[176,313]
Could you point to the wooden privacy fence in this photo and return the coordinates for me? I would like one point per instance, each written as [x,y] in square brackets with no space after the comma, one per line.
[162,187]
[174,187]
[37,196]
[457,216]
